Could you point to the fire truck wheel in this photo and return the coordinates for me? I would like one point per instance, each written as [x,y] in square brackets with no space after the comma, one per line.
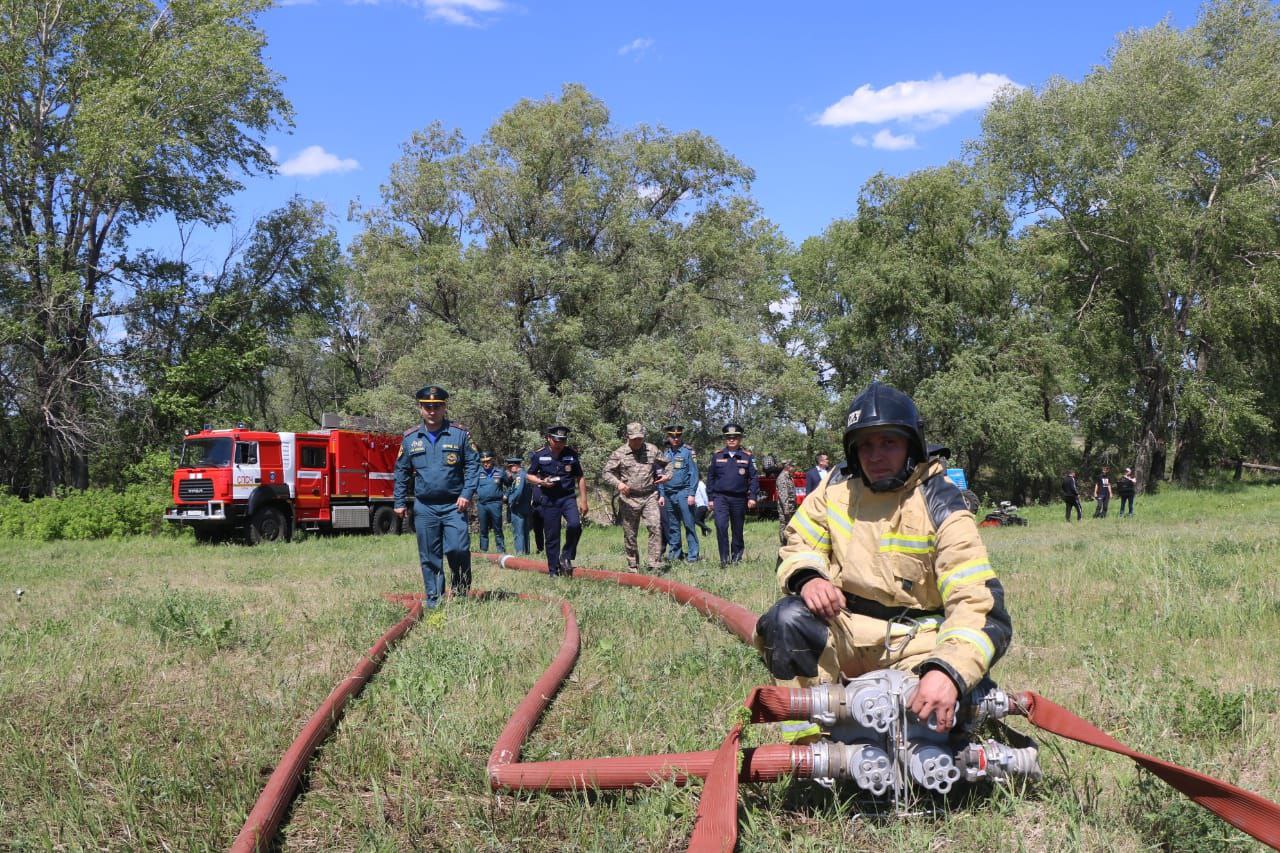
[268,525]
[384,520]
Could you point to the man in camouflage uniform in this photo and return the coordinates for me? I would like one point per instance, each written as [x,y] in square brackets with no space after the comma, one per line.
[636,469]
[785,485]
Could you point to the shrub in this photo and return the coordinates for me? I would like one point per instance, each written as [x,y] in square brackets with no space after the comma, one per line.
[91,514]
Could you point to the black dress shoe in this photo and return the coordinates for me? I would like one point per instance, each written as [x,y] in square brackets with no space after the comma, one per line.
[566,567]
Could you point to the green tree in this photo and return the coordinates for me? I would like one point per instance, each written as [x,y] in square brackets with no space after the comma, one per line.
[114,113]
[215,344]
[1157,177]
[926,290]
[564,270]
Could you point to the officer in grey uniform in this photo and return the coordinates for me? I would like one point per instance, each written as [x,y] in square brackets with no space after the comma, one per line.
[437,468]
[490,489]
[520,503]
[678,496]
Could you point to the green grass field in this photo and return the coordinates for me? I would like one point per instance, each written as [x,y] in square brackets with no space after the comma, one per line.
[148,685]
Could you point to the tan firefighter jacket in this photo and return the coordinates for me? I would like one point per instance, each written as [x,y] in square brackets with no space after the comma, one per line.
[916,549]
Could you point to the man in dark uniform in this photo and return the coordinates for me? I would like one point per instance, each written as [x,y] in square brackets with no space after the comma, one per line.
[1071,494]
[1102,493]
[490,487]
[556,469]
[677,496]
[732,486]
[437,468]
[520,501]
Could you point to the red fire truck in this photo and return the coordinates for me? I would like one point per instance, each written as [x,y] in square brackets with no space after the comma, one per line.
[268,484]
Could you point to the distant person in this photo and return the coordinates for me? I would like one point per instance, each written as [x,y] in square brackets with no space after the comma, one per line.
[1102,493]
[1071,494]
[556,468]
[490,490]
[815,474]
[678,496]
[519,504]
[700,508]
[785,485]
[636,469]
[732,487]
[1126,488]
[437,469]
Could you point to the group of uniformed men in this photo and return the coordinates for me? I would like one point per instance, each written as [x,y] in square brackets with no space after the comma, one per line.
[439,473]
[881,566]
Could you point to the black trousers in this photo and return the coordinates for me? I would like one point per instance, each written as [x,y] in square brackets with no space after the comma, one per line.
[1126,499]
[553,509]
[1073,501]
[731,512]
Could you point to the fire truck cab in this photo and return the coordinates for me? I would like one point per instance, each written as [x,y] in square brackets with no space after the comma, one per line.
[266,485]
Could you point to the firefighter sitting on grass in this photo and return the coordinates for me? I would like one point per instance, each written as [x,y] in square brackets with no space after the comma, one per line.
[883,569]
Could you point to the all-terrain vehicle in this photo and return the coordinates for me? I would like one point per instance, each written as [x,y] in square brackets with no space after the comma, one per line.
[1005,516]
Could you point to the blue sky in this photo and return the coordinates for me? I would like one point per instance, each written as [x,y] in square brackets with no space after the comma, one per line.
[815,98]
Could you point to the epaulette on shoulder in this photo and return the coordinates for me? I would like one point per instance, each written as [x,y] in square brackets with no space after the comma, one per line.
[411,430]
[748,452]
[943,498]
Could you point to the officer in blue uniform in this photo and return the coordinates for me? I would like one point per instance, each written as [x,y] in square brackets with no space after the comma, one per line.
[437,469]
[678,496]
[520,503]
[490,489]
[556,469]
[732,487]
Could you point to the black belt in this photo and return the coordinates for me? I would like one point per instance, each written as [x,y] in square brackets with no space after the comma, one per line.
[866,607]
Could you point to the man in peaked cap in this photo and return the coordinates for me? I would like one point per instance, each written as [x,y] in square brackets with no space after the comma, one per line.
[519,503]
[556,469]
[732,487]
[437,470]
[636,469]
[490,490]
[678,496]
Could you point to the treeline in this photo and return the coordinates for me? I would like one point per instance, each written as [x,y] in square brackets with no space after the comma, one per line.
[1094,282]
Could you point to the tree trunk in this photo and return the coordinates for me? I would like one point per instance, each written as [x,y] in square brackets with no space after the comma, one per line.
[1188,446]
[1152,433]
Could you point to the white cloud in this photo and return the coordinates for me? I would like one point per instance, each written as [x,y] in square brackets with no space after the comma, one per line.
[462,12]
[886,140]
[860,140]
[636,46]
[927,102]
[314,160]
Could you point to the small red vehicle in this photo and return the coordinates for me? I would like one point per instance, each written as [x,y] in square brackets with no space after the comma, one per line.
[767,504]
[266,485]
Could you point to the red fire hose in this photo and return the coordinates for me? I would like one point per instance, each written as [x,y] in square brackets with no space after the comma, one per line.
[715,826]
[267,813]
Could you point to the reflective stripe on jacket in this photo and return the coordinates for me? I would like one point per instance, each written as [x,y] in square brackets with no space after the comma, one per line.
[914,548]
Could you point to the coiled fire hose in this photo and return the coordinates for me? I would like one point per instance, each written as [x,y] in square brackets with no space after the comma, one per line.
[715,826]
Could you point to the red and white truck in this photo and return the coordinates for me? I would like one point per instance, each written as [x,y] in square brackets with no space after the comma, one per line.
[266,485]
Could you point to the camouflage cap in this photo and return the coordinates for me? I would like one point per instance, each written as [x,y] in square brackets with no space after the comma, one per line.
[635,429]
